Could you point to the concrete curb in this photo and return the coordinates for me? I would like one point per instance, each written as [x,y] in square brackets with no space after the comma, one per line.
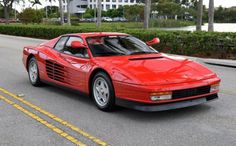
[221,62]
[218,62]
[20,37]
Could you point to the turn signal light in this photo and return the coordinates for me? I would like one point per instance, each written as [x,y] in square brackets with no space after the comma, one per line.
[215,87]
[160,96]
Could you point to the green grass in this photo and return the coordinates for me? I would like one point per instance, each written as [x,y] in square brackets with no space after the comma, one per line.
[154,24]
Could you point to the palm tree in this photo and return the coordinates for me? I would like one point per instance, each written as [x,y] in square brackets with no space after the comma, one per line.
[211,16]
[61,12]
[36,2]
[199,15]
[147,11]
[99,13]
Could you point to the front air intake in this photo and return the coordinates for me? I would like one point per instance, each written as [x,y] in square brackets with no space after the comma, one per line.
[145,58]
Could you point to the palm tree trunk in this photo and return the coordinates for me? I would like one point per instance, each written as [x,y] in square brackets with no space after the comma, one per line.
[211,16]
[61,12]
[147,11]
[6,11]
[68,12]
[99,13]
[199,15]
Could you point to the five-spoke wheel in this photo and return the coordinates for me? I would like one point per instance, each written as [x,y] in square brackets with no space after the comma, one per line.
[103,92]
[33,72]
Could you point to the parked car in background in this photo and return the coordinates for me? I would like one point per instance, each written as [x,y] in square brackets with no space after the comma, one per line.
[119,19]
[107,19]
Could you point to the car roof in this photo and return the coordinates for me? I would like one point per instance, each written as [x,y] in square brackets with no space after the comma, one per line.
[94,34]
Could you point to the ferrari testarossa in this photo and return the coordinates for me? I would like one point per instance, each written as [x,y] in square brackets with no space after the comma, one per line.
[119,69]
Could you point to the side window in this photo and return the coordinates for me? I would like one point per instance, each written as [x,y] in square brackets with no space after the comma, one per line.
[60,44]
[79,52]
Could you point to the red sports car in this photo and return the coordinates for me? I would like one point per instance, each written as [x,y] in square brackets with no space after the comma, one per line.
[119,69]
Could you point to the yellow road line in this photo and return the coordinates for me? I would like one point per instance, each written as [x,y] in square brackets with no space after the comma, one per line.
[44,122]
[54,117]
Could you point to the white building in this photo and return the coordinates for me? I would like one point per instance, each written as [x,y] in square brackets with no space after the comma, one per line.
[80,6]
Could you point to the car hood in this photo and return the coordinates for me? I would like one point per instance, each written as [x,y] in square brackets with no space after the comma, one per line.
[154,69]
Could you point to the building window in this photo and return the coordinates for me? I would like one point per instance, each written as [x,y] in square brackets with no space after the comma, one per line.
[120,1]
[91,0]
[126,1]
[107,7]
[119,6]
[113,6]
[107,0]
[113,0]
[131,1]
[91,6]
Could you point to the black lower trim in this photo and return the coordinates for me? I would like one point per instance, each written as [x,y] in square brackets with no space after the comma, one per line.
[167,106]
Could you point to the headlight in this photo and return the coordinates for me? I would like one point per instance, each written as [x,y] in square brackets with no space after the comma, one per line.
[160,96]
[215,87]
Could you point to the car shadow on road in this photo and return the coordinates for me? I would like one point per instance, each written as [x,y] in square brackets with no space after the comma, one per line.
[132,114]
[163,115]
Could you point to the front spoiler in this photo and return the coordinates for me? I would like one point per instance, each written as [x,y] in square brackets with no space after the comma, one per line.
[168,106]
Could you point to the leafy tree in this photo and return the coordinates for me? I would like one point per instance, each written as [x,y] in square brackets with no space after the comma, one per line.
[30,15]
[134,12]
[53,11]
[7,6]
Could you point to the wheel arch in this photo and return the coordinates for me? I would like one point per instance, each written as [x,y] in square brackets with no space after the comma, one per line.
[28,59]
[94,72]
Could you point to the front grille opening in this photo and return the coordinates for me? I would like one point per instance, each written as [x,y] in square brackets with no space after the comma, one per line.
[190,92]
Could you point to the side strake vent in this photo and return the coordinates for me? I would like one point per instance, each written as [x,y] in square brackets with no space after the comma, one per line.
[146,58]
[55,71]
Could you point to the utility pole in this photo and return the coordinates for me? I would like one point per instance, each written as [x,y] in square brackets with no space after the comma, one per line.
[199,15]
[211,16]
[147,11]
[68,12]
[99,13]
[61,12]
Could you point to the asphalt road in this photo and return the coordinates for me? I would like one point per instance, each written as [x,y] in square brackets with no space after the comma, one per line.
[210,124]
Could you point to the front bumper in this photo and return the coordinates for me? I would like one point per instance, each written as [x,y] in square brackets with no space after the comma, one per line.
[166,106]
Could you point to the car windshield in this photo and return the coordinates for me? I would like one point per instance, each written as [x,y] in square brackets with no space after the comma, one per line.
[118,45]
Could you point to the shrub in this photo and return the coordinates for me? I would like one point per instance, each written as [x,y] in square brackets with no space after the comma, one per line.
[202,44]
[30,15]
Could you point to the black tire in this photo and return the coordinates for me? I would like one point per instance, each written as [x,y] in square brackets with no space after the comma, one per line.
[110,104]
[36,82]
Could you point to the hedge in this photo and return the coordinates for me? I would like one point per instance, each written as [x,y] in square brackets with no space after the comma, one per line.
[202,44]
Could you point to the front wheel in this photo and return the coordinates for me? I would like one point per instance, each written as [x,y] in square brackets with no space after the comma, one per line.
[33,72]
[103,92]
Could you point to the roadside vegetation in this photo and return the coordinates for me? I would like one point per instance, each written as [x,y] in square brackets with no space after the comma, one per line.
[201,44]
[45,23]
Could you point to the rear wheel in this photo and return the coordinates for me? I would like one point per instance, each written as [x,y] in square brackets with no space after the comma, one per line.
[103,92]
[33,72]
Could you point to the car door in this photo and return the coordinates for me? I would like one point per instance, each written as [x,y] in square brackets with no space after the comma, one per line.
[74,64]
[55,66]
